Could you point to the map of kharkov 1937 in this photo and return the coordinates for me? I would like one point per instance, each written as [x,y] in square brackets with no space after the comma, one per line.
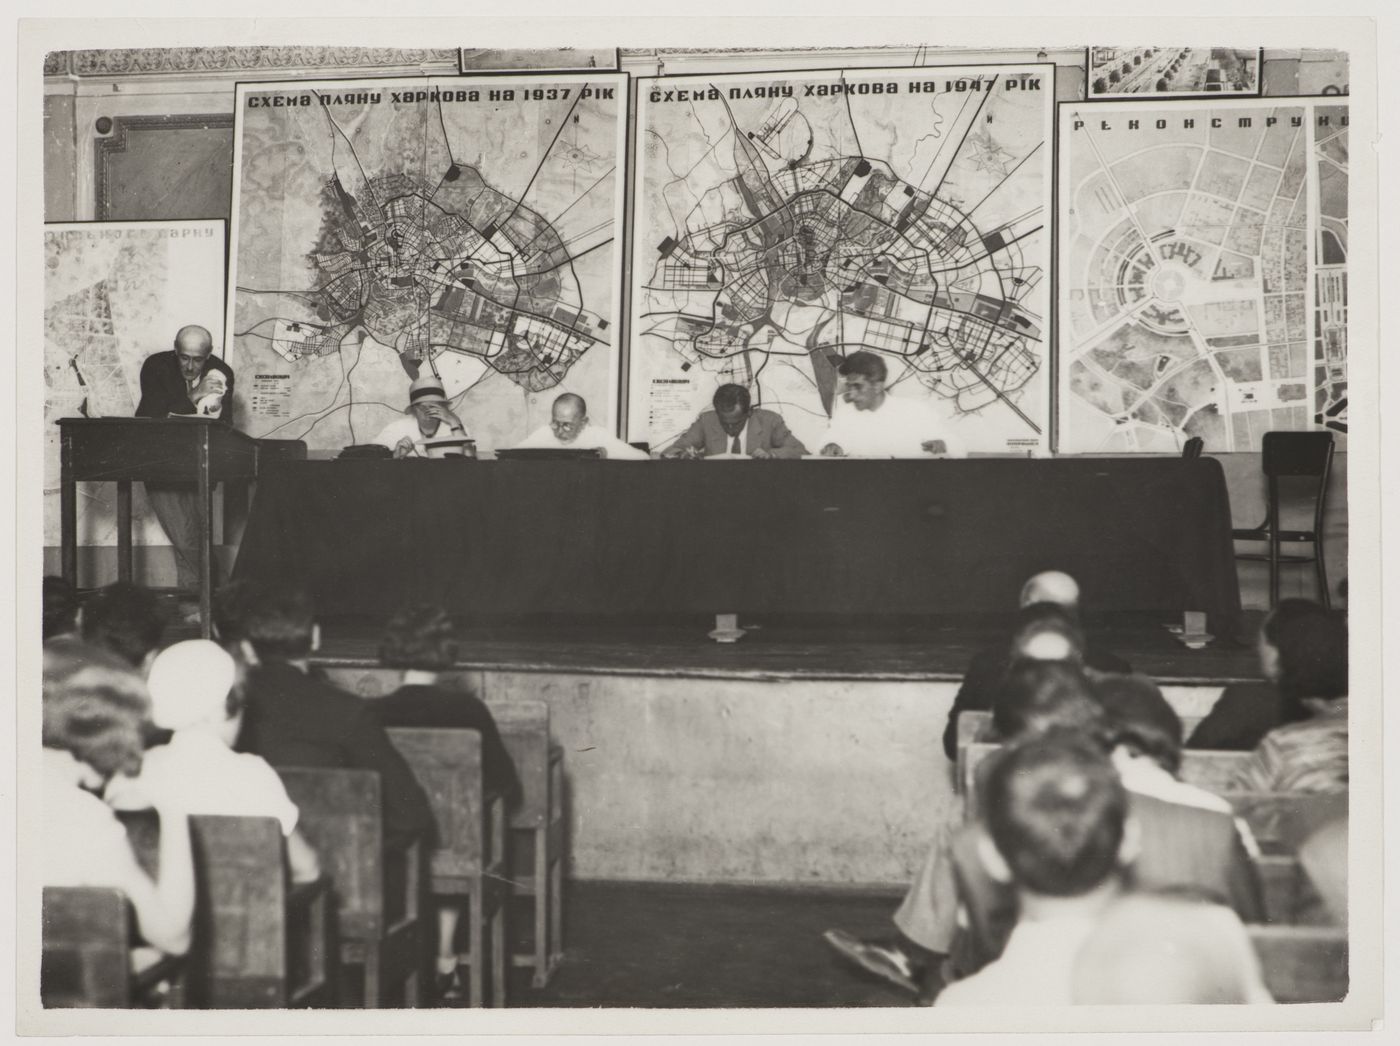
[467,227]
[786,220]
[1188,236]
[114,293]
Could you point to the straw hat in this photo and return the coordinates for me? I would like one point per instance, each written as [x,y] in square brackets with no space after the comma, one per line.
[426,388]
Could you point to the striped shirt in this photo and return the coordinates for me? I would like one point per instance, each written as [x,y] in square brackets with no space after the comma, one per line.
[1310,756]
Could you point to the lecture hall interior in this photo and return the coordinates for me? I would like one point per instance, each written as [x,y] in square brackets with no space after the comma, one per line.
[834,526]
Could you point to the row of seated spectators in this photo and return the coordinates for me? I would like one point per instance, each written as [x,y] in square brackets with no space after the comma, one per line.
[1092,873]
[197,726]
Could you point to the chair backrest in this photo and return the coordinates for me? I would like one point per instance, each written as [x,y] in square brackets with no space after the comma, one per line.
[447,764]
[524,727]
[86,959]
[238,957]
[365,681]
[342,817]
[1303,963]
[1297,453]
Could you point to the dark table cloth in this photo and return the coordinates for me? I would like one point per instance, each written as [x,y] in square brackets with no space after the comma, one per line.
[499,538]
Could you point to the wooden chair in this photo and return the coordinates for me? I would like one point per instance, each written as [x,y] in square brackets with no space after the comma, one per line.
[468,859]
[341,816]
[259,942]
[86,959]
[1292,456]
[524,727]
[1303,963]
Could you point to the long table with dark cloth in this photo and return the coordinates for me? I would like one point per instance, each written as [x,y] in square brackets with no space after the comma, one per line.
[593,538]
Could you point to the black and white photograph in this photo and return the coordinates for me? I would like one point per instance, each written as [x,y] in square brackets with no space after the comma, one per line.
[647,525]
[1167,72]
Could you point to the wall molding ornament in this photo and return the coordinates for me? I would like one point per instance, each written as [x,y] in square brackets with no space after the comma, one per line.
[222,60]
[108,148]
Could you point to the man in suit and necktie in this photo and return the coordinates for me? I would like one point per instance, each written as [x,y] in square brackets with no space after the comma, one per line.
[737,427]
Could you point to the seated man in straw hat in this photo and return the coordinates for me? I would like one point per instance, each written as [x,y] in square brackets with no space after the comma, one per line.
[428,419]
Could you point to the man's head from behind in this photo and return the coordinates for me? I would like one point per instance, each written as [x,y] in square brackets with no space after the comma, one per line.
[864,375]
[1162,948]
[193,344]
[1038,696]
[419,637]
[1303,648]
[60,607]
[568,417]
[1056,816]
[279,624]
[1047,632]
[1051,586]
[126,619]
[732,406]
[1138,719]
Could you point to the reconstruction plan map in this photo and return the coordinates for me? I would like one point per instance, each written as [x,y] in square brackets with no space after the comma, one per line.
[1187,236]
[1330,259]
[114,293]
[466,227]
[787,220]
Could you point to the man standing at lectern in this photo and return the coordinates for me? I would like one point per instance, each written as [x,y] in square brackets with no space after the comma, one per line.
[187,381]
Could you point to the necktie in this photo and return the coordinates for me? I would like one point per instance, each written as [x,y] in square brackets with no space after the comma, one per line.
[735,448]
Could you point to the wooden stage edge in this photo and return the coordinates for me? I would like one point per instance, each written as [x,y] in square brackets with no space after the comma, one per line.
[866,651]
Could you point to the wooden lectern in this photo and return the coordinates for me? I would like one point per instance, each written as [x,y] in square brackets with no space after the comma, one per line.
[200,451]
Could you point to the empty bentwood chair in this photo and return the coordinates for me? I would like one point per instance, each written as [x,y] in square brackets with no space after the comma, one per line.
[1289,456]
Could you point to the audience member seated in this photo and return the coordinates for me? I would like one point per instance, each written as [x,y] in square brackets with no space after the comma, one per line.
[94,707]
[1058,833]
[60,608]
[1310,755]
[1049,603]
[227,611]
[196,694]
[292,719]
[418,639]
[1245,712]
[1165,948]
[126,619]
[1034,697]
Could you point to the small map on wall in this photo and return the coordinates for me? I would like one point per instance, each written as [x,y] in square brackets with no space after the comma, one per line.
[1188,237]
[467,227]
[114,293]
[1330,148]
[786,220]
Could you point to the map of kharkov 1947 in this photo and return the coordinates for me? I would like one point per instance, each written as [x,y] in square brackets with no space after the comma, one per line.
[467,227]
[1187,240]
[114,293]
[786,220]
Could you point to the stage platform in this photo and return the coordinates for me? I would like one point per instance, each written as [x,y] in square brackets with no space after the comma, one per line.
[898,650]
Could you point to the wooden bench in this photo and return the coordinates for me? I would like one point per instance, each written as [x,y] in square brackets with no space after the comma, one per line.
[1303,963]
[1210,770]
[86,958]
[539,818]
[468,857]
[342,817]
[259,942]
[975,726]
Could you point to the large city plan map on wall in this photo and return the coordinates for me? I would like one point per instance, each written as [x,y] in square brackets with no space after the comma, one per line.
[383,229]
[114,293]
[786,220]
[1189,235]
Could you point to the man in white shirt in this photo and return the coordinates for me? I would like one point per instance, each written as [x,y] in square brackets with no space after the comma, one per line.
[1058,829]
[428,419]
[568,429]
[881,425]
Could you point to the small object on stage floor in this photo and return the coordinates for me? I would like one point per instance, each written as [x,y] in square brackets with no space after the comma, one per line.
[1193,630]
[727,629]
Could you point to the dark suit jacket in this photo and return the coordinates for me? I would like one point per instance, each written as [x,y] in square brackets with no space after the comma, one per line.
[292,719]
[1242,715]
[766,430]
[1183,847]
[983,677]
[163,389]
[431,706]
